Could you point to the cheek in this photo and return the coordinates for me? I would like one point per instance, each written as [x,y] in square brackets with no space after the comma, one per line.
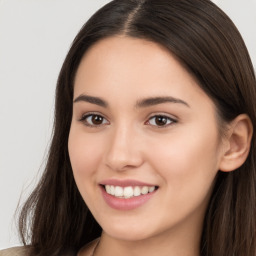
[85,155]
[187,163]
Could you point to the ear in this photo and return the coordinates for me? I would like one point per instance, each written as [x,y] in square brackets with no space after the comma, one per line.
[237,143]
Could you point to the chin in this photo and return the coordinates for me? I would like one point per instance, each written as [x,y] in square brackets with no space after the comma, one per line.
[129,231]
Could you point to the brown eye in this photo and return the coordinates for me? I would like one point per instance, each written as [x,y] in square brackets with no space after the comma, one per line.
[97,120]
[161,121]
[94,120]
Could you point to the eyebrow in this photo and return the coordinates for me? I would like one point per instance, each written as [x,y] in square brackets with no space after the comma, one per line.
[159,100]
[94,100]
[139,104]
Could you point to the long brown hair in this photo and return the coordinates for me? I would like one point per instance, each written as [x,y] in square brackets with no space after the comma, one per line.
[207,43]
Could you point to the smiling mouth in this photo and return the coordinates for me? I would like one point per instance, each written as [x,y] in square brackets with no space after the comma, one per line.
[129,191]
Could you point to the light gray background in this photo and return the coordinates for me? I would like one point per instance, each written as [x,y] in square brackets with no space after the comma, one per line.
[35,36]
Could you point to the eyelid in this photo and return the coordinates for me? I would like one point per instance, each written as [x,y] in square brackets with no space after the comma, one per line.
[171,118]
[88,114]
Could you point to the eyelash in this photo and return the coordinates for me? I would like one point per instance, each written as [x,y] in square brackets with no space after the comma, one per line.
[169,121]
[85,121]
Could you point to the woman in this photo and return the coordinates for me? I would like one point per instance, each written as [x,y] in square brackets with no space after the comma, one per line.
[153,151]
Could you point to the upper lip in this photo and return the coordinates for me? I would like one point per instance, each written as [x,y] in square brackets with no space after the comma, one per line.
[125,183]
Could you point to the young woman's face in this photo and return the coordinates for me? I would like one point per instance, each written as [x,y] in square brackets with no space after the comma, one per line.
[144,143]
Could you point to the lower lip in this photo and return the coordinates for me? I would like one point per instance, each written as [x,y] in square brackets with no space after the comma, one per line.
[128,203]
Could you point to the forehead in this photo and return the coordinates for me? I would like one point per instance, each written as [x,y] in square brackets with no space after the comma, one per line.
[125,65]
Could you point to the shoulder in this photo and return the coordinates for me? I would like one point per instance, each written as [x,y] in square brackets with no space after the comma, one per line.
[88,249]
[15,251]
[24,251]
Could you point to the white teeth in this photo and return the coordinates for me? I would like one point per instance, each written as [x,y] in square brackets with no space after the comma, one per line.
[136,191]
[144,190]
[151,189]
[107,187]
[112,190]
[119,192]
[128,192]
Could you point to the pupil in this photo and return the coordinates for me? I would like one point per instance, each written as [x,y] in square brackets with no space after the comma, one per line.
[160,120]
[97,119]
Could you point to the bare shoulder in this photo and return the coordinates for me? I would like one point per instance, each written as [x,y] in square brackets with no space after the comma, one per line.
[88,249]
[15,251]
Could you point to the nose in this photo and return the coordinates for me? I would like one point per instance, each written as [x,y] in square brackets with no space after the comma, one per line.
[124,150]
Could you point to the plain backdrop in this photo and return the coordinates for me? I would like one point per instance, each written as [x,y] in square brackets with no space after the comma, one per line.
[35,36]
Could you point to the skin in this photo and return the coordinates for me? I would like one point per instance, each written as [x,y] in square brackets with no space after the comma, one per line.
[182,157]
